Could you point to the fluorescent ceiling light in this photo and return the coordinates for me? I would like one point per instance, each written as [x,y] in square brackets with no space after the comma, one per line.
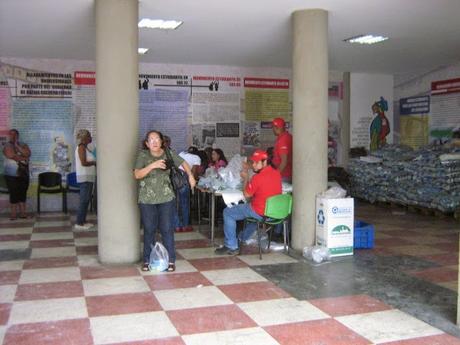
[142,51]
[159,24]
[366,39]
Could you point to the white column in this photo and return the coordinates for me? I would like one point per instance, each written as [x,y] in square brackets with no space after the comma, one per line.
[345,123]
[310,113]
[117,129]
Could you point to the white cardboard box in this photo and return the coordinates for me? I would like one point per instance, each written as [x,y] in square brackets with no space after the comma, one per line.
[334,225]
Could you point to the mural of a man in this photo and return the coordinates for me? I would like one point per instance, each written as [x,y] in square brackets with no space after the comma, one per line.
[380,126]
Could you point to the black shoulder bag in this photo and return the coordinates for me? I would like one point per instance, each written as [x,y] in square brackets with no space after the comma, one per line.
[177,176]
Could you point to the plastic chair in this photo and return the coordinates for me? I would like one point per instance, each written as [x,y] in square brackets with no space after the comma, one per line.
[72,186]
[3,187]
[51,183]
[278,208]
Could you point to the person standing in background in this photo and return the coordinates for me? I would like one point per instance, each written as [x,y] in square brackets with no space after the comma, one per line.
[182,216]
[282,153]
[86,176]
[16,170]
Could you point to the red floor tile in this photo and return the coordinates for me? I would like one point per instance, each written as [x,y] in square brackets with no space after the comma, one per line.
[9,277]
[107,272]
[395,241]
[161,341]
[24,237]
[85,234]
[443,259]
[5,309]
[176,281]
[65,261]
[15,224]
[52,229]
[86,250]
[441,339]
[324,332]
[436,274]
[210,264]
[448,247]
[122,304]
[209,319]
[52,243]
[75,332]
[348,305]
[250,292]
[192,244]
[27,292]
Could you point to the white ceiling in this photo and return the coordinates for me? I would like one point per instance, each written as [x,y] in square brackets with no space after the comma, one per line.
[424,34]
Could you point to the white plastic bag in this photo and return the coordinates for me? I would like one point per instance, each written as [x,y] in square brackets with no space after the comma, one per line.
[316,253]
[159,258]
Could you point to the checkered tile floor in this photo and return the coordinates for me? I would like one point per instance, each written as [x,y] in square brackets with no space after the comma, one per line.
[425,237]
[54,291]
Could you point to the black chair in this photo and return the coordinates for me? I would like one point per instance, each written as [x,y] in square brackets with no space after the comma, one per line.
[3,188]
[51,183]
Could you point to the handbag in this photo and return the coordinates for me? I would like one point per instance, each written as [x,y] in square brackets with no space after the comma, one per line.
[177,176]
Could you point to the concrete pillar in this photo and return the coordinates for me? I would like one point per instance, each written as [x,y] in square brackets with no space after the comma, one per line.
[117,129]
[310,114]
[345,123]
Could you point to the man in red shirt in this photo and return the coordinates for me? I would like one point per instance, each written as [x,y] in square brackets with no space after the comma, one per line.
[264,184]
[282,153]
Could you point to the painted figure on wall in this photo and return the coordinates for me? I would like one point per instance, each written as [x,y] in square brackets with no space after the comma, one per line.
[380,126]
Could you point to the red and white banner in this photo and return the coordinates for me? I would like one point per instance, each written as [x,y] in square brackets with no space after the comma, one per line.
[84,78]
[442,87]
[263,83]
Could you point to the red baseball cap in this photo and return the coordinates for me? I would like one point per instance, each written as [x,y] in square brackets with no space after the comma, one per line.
[279,122]
[258,156]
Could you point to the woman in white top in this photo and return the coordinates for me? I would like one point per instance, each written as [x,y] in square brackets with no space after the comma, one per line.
[86,176]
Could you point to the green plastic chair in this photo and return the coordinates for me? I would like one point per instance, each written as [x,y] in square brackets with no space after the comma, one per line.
[278,208]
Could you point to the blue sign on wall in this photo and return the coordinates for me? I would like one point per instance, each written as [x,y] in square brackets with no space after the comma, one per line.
[414,105]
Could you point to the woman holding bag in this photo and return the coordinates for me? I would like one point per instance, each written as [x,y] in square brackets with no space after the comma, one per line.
[156,194]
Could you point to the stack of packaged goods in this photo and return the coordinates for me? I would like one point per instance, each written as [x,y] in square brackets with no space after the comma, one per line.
[428,177]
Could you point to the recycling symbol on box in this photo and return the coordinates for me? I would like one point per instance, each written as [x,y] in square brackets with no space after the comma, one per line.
[320,217]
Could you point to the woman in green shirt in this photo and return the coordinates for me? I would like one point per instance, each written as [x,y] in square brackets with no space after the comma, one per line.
[156,195]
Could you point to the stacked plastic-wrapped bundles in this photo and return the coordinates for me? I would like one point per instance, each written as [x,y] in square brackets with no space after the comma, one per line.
[428,177]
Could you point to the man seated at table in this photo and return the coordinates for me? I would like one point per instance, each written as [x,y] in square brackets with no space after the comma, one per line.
[264,184]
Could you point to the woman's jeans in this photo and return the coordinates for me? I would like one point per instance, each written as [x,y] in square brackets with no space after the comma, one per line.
[158,216]
[86,191]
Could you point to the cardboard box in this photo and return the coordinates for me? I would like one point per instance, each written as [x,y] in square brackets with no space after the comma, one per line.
[334,225]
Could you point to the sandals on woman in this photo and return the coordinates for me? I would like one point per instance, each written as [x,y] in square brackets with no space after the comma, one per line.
[171,267]
[145,267]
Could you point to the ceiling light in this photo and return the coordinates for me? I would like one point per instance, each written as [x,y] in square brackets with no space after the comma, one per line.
[366,39]
[159,24]
[142,51]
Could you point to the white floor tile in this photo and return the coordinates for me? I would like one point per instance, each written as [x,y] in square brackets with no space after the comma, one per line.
[182,266]
[250,336]
[386,326]
[195,297]
[111,286]
[2,333]
[233,276]
[279,311]
[88,260]
[4,245]
[11,265]
[48,275]
[53,223]
[198,253]
[185,236]
[52,252]
[267,259]
[52,236]
[16,231]
[48,310]
[132,327]
[7,293]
